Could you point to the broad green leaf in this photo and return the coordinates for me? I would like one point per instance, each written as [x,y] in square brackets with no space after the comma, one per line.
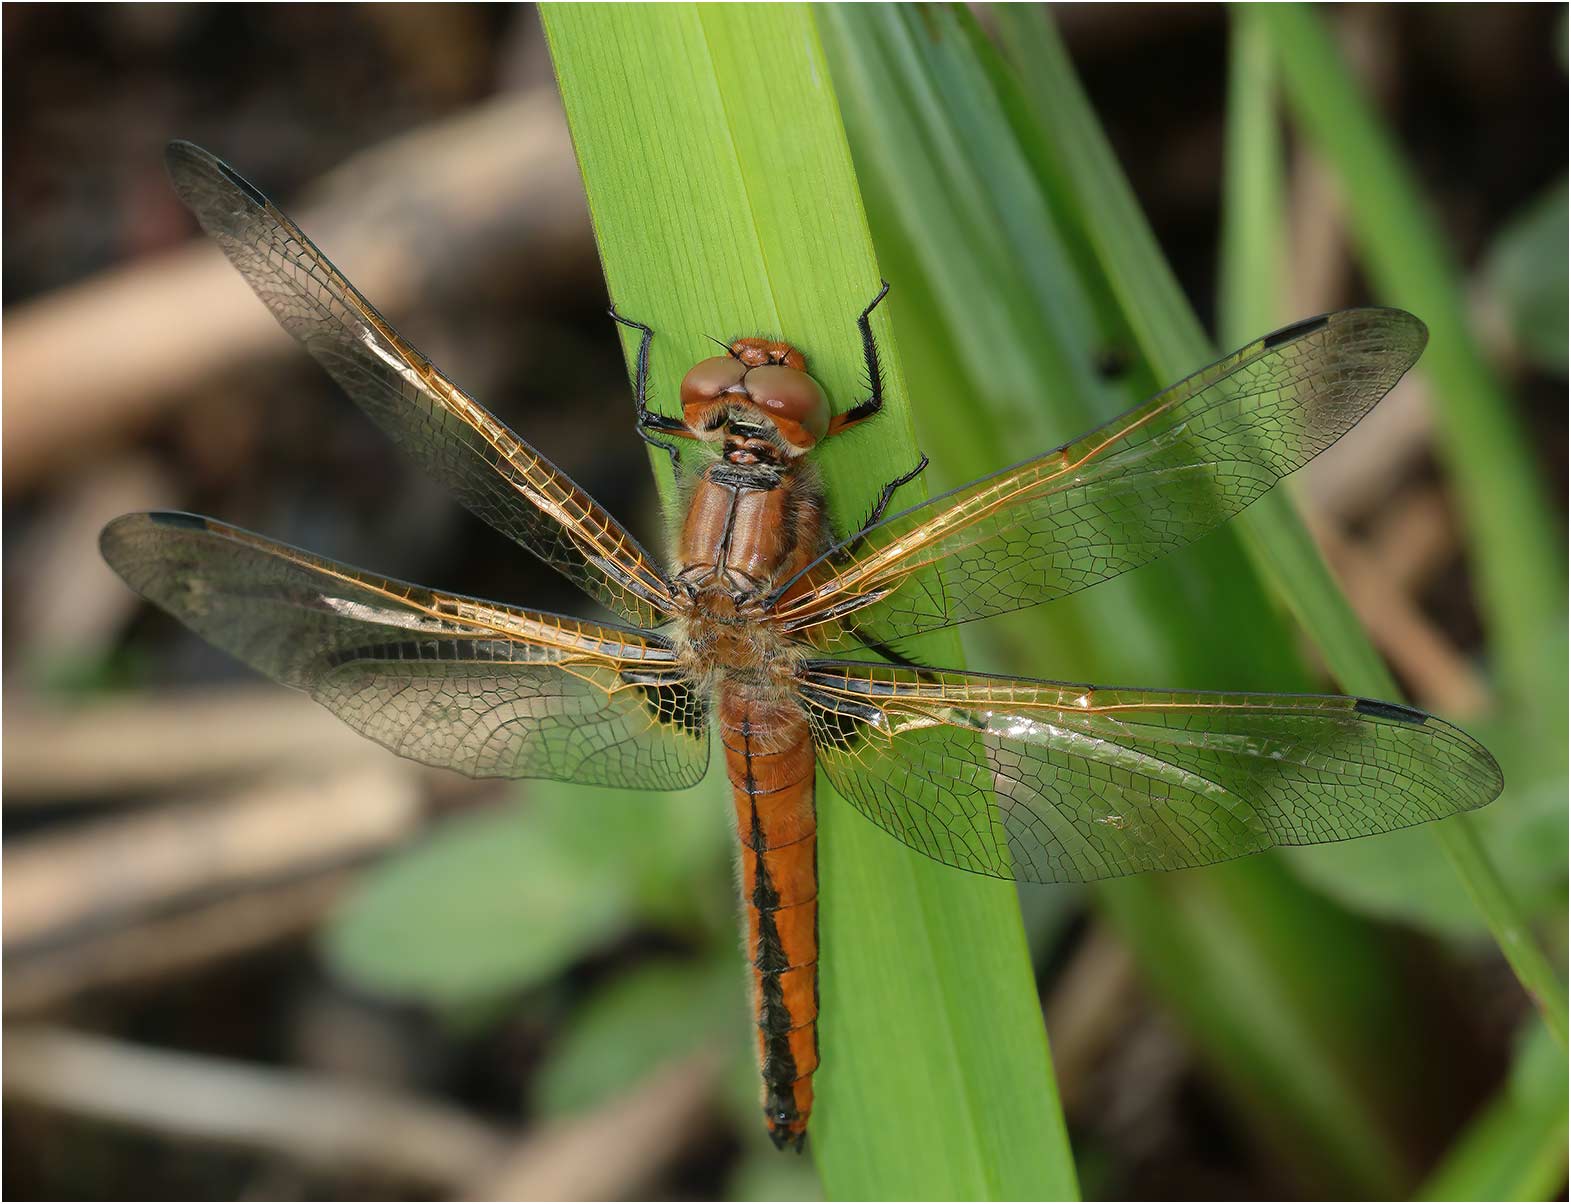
[492,903]
[724,203]
[499,901]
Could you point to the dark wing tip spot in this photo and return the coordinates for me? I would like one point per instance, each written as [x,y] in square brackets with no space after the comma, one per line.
[1389,710]
[185,158]
[1297,330]
[240,182]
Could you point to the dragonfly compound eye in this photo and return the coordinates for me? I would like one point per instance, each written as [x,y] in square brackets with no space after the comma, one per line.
[793,401]
[708,379]
[705,387]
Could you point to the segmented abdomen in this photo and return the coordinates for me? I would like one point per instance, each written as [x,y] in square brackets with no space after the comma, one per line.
[769,759]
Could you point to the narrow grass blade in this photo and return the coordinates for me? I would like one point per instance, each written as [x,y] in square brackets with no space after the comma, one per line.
[1414,266]
[1249,289]
[1515,1148]
[1171,335]
[724,202]
[1519,561]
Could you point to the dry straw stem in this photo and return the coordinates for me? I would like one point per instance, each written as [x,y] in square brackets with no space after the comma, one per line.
[492,181]
[58,753]
[108,872]
[613,1152]
[193,939]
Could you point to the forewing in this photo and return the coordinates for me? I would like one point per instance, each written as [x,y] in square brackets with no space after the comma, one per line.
[462,683]
[1048,782]
[492,471]
[1151,481]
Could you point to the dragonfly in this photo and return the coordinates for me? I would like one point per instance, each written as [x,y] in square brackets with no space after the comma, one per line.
[782,633]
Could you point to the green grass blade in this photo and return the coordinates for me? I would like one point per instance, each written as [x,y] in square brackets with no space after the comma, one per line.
[1415,265]
[1519,567]
[1515,1148]
[1507,925]
[1249,288]
[1518,559]
[1171,336]
[724,202]
[1249,300]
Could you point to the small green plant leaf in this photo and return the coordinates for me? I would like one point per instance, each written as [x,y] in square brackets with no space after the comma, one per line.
[636,1022]
[500,901]
[1527,273]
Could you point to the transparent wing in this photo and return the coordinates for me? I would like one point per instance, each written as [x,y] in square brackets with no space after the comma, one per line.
[457,682]
[493,472]
[1151,481]
[1048,782]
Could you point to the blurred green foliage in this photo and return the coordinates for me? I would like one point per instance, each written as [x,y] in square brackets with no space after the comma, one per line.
[503,901]
[658,1011]
[1515,1148]
[1526,273]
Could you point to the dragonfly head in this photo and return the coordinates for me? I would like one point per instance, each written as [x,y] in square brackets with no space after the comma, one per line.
[759,383]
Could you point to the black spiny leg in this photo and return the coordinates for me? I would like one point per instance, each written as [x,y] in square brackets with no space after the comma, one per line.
[875,516]
[849,548]
[875,375]
[861,413]
[648,420]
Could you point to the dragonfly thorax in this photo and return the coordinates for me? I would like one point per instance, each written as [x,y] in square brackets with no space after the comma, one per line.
[722,641]
[749,529]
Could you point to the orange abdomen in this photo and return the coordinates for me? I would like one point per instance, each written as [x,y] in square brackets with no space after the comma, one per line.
[769,759]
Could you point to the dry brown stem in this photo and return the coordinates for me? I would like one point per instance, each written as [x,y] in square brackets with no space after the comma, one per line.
[1439,676]
[606,1154]
[306,1117]
[1413,538]
[1091,1005]
[164,947]
[107,873]
[443,200]
[143,743]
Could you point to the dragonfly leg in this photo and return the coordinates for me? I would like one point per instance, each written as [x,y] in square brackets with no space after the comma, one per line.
[894,656]
[848,548]
[876,515]
[650,422]
[875,374]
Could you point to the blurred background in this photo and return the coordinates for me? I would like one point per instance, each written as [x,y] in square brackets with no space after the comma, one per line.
[247,954]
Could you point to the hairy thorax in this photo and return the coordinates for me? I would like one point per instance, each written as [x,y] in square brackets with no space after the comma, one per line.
[747,532]
[721,641]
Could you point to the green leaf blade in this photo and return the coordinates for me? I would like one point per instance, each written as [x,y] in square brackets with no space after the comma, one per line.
[724,203]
